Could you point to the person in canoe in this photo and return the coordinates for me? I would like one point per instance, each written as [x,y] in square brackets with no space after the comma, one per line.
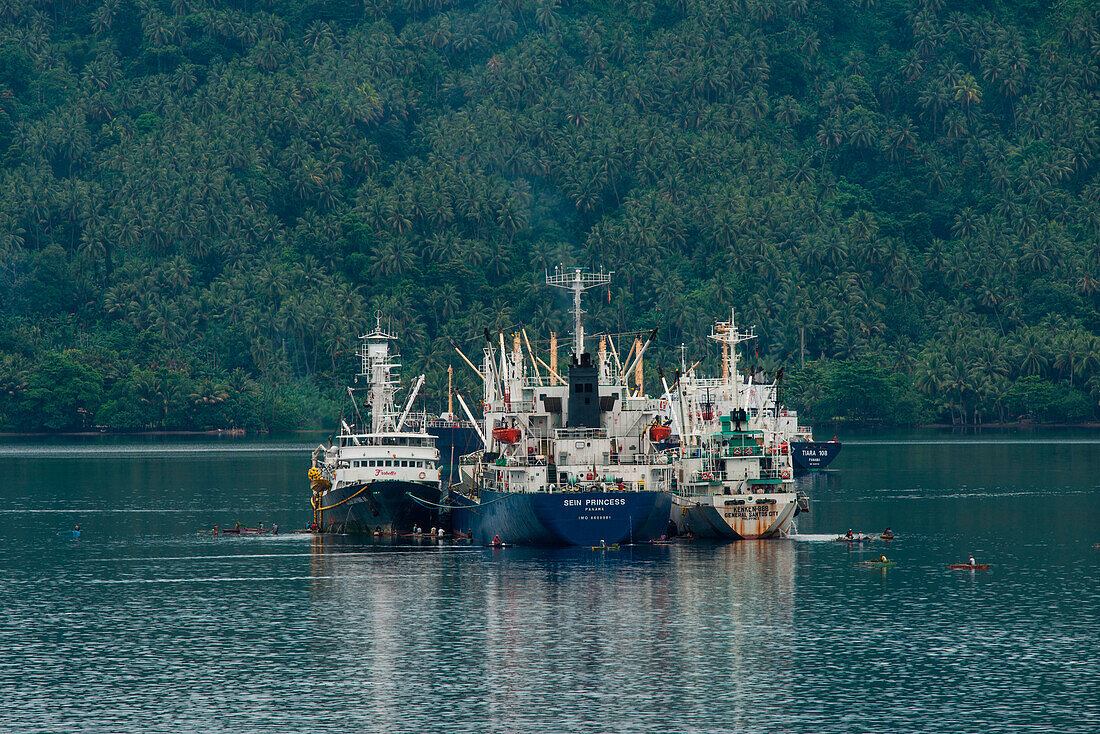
[497,543]
[972,562]
[849,535]
[887,533]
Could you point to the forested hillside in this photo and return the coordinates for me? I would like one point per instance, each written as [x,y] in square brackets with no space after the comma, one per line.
[202,202]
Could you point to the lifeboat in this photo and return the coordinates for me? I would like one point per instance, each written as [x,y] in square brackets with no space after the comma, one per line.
[506,435]
[659,433]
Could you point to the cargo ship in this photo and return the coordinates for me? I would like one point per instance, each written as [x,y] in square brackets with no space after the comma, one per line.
[810,455]
[734,465]
[380,474]
[568,460]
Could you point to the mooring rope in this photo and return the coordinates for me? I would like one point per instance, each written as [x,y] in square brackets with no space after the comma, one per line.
[364,489]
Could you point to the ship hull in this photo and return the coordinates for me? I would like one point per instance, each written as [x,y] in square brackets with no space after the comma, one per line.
[389,507]
[734,517]
[453,442]
[813,455]
[562,518]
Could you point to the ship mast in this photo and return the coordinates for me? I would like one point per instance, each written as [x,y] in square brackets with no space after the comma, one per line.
[578,281]
[381,373]
[729,336]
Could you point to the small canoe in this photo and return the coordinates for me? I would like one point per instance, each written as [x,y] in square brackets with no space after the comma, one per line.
[613,546]
[877,564]
[968,567]
[884,536]
[854,539]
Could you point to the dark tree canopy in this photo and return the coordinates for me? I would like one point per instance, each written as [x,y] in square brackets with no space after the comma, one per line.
[203,203]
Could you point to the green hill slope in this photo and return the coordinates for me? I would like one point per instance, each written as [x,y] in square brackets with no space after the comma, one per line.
[202,203]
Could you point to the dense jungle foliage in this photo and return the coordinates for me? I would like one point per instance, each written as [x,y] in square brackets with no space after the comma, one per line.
[203,202]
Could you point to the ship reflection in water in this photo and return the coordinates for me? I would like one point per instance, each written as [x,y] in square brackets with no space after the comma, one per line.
[515,638]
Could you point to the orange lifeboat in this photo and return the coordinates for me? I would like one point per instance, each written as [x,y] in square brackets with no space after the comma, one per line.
[659,433]
[506,435]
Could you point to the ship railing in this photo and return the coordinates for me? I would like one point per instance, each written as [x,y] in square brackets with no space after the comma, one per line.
[655,458]
[577,434]
[581,486]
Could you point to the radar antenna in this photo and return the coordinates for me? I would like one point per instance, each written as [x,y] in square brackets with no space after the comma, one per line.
[578,281]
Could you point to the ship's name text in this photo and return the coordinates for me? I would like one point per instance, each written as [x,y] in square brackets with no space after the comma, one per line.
[595,502]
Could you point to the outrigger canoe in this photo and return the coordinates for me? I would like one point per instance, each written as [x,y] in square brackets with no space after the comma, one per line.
[613,546]
[968,567]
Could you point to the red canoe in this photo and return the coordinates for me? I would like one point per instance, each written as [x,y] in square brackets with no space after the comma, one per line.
[968,567]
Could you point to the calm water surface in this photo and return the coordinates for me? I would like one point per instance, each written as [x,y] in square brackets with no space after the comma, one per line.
[145,625]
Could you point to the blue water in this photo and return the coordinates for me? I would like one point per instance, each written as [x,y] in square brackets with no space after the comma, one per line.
[144,625]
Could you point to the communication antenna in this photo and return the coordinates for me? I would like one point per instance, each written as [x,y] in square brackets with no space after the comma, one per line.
[578,281]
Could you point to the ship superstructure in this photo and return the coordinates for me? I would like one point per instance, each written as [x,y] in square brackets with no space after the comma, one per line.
[569,459]
[380,474]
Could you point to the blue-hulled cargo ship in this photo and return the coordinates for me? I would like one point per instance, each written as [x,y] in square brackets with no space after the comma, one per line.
[813,455]
[568,460]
